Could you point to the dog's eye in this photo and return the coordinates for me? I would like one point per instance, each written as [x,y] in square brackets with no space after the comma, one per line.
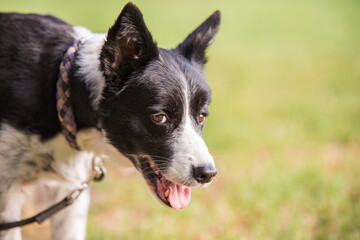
[201,118]
[160,118]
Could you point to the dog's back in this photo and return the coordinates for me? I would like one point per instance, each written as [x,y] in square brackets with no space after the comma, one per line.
[31,48]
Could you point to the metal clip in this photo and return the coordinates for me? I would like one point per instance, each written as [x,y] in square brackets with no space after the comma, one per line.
[100,173]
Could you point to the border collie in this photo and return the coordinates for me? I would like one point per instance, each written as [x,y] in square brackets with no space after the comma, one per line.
[129,98]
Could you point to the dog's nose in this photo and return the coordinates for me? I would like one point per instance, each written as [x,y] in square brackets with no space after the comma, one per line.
[204,174]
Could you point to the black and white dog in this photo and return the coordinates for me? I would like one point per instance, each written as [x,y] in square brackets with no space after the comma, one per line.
[128,96]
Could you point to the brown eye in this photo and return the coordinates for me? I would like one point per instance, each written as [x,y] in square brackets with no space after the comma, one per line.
[159,118]
[201,118]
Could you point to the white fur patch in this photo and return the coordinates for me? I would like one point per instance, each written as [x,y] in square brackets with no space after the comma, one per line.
[10,210]
[26,161]
[81,32]
[24,158]
[72,165]
[190,149]
[70,223]
[89,62]
[75,165]
[21,158]
[95,141]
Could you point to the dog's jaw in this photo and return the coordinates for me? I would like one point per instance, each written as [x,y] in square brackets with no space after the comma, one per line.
[174,195]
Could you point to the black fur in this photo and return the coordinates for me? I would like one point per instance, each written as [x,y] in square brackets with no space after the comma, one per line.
[141,80]
[128,49]
[195,45]
[85,115]
[145,94]
[31,48]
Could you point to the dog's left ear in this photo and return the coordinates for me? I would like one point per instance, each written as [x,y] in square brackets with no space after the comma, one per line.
[195,45]
[129,45]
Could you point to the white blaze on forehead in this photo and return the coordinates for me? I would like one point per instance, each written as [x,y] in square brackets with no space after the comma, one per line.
[190,149]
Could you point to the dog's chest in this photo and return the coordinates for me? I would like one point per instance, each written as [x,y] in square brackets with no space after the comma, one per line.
[25,159]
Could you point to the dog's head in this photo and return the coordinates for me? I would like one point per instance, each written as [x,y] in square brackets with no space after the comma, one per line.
[155,103]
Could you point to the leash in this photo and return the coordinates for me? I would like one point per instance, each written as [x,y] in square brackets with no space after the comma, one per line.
[97,174]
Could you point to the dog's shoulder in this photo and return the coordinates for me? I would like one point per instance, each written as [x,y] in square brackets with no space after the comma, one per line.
[31,48]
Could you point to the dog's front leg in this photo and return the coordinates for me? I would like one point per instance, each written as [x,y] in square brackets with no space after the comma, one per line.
[70,223]
[10,211]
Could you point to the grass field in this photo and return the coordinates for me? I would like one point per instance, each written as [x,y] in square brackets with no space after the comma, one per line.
[284,125]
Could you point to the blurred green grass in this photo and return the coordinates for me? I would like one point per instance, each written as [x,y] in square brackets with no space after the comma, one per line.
[284,125]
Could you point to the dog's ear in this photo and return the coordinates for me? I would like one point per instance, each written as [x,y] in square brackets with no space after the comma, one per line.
[129,44]
[195,45]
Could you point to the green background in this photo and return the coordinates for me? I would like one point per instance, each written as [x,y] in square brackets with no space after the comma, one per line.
[284,126]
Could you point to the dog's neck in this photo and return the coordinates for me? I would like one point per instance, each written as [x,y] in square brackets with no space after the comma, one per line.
[88,70]
[87,82]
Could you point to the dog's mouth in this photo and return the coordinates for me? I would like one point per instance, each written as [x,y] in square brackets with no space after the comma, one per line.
[174,195]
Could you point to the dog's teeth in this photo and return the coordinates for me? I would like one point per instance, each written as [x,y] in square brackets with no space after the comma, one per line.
[167,193]
[151,164]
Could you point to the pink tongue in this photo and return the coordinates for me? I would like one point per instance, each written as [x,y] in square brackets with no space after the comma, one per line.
[179,196]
